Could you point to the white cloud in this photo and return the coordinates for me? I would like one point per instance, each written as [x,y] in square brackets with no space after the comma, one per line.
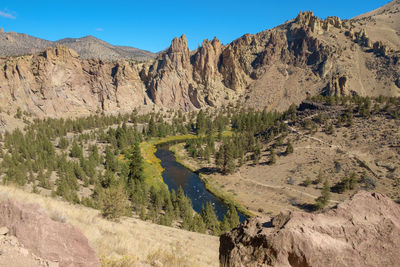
[100,29]
[7,15]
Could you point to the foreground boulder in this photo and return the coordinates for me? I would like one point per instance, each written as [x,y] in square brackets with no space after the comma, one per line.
[363,231]
[49,239]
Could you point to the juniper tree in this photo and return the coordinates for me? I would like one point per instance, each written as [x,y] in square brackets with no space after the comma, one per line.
[289,148]
[114,203]
[272,157]
[323,200]
[76,150]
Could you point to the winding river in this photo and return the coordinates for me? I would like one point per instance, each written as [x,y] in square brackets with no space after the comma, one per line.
[175,175]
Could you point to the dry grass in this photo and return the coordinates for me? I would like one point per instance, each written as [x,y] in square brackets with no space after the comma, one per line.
[131,242]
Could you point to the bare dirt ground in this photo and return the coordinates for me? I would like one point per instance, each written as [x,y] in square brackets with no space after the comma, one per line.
[370,148]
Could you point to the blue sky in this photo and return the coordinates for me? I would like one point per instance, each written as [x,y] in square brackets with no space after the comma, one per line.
[151,25]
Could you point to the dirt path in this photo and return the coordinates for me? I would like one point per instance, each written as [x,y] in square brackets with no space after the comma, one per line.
[281,188]
[341,149]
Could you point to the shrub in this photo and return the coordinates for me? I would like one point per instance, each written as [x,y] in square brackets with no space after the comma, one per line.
[289,148]
[307,182]
[114,203]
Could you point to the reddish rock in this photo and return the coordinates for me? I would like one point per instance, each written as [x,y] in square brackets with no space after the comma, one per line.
[45,237]
[363,231]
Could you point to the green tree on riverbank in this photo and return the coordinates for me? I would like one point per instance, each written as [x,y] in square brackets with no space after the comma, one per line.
[135,164]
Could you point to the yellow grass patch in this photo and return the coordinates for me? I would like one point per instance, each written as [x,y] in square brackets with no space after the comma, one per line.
[152,165]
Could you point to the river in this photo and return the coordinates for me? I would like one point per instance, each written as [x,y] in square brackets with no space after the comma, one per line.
[175,175]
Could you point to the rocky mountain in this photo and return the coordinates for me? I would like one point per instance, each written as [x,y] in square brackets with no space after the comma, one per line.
[88,47]
[274,68]
[277,67]
[363,231]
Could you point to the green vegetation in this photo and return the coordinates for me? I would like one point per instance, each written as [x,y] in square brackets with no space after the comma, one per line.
[323,200]
[307,182]
[347,183]
[114,203]
[109,156]
[289,148]
[112,156]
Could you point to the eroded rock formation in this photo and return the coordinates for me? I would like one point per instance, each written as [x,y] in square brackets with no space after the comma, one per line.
[57,82]
[363,231]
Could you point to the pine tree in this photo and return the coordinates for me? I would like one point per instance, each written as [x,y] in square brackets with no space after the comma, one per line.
[198,224]
[256,153]
[110,160]
[135,164]
[225,159]
[76,150]
[210,218]
[108,179]
[232,216]
[225,226]
[323,200]
[152,129]
[200,123]
[307,181]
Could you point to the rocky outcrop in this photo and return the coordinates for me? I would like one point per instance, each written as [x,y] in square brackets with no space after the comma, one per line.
[316,24]
[337,86]
[362,38]
[168,79]
[51,240]
[58,83]
[363,231]
[381,49]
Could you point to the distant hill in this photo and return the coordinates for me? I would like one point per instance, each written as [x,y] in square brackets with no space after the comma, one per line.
[88,47]
[92,47]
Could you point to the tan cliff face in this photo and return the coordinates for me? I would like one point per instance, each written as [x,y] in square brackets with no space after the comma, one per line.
[58,83]
[272,69]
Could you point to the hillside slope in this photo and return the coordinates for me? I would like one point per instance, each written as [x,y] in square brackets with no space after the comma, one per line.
[88,47]
[131,241]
